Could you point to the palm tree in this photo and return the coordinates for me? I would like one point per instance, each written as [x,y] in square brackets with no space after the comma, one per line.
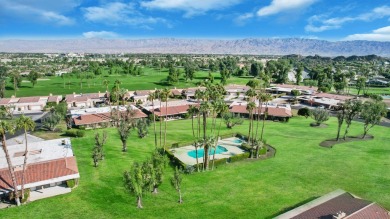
[6,127]
[266,98]
[116,84]
[122,93]
[151,98]
[198,96]
[250,107]
[166,93]
[192,110]
[204,108]
[221,109]
[25,123]
[158,94]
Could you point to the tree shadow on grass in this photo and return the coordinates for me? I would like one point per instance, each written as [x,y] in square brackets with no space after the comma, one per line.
[331,142]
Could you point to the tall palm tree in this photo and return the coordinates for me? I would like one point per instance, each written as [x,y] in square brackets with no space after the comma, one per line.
[221,109]
[116,84]
[266,98]
[250,107]
[6,127]
[158,94]
[25,123]
[166,93]
[204,108]
[151,98]
[199,96]
[192,110]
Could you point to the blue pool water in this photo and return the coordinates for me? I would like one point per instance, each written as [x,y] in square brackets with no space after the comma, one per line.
[220,150]
[237,141]
[386,97]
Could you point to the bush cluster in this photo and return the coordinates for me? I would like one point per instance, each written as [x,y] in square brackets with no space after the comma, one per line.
[75,133]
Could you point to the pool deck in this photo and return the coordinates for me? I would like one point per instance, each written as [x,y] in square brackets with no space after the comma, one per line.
[233,149]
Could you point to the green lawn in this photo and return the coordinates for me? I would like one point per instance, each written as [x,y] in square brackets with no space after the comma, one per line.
[300,171]
[151,79]
[373,90]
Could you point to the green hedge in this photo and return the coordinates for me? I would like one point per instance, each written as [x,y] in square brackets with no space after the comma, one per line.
[75,133]
[239,157]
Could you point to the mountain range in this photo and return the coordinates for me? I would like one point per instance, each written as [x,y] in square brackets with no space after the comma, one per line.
[251,46]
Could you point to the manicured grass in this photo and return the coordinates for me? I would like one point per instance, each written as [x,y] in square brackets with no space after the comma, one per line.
[300,171]
[151,79]
[373,90]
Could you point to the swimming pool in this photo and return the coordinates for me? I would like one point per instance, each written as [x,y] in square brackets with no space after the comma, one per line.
[237,141]
[220,150]
[386,97]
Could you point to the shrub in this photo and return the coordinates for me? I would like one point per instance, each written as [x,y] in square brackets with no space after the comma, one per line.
[304,112]
[189,169]
[295,93]
[319,115]
[71,183]
[219,162]
[26,195]
[71,133]
[81,127]
[80,133]
[239,157]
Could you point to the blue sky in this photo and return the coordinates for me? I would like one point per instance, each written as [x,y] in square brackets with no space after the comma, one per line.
[210,19]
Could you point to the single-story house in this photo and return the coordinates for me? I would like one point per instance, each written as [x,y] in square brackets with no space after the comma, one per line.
[337,205]
[79,101]
[236,90]
[273,111]
[50,163]
[189,93]
[23,104]
[100,117]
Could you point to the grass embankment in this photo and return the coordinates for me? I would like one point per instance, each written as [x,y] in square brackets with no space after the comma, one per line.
[151,79]
[300,171]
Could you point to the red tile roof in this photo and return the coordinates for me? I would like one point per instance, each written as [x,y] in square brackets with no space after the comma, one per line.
[171,110]
[373,211]
[5,100]
[272,111]
[101,117]
[142,92]
[345,203]
[29,100]
[41,171]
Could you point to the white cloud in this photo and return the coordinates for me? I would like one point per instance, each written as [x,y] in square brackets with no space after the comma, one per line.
[39,10]
[319,23]
[118,13]
[242,19]
[100,34]
[278,6]
[190,7]
[381,34]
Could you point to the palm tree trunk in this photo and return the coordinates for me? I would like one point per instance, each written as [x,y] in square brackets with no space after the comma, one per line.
[124,146]
[11,170]
[166,119]
[216,143]
[206,149]
[262,128]
[154,125]
[24,163]
[160,124]
[196,155]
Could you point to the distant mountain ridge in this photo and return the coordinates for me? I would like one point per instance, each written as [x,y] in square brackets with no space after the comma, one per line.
[251,46]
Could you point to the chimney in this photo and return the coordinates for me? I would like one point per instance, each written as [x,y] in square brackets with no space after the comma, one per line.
[339,215]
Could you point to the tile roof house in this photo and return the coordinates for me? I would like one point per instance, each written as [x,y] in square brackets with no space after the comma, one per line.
[50,163]
[273,111]
[78,101]
[337,205]
[25,104]
[100,119]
